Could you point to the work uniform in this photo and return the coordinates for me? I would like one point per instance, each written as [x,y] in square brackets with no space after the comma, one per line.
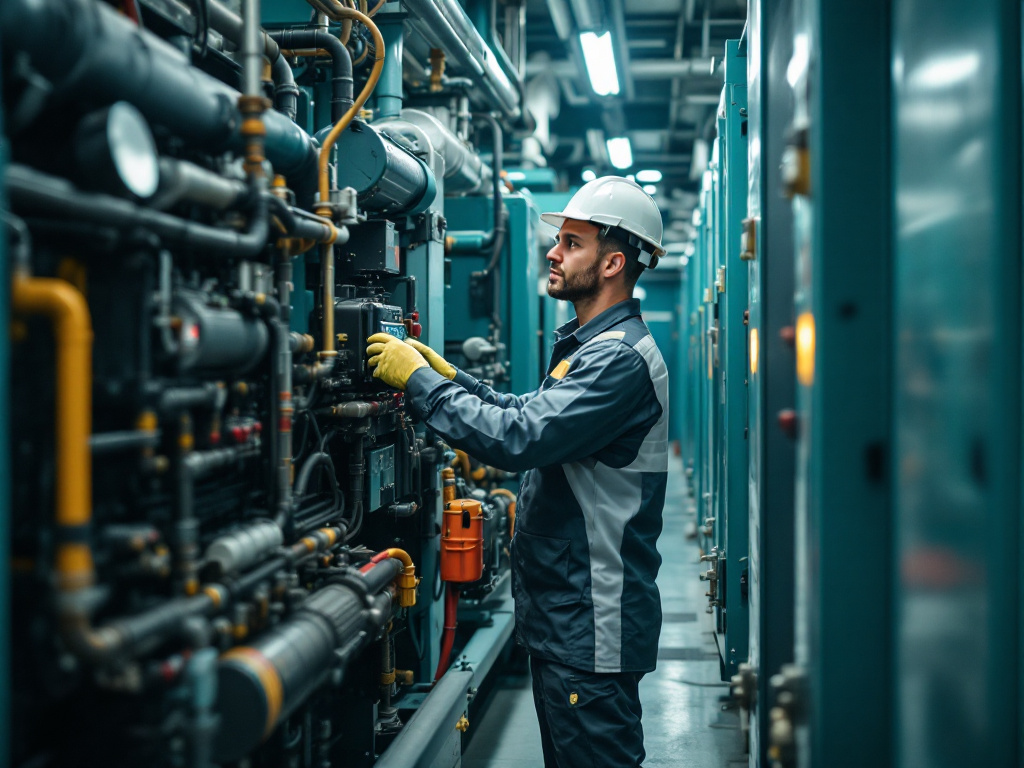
[584,556]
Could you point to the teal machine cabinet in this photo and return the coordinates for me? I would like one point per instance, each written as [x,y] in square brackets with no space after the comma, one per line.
[732,287]
[837,169]
[768,243]
[721,459]
[956,414]
[554,313]
[469,298]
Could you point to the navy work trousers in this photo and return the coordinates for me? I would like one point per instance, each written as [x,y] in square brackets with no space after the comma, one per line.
[588,719]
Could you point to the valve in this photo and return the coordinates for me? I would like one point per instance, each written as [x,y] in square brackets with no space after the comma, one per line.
[789,687]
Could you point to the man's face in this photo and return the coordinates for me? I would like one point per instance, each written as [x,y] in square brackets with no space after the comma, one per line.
[574,272]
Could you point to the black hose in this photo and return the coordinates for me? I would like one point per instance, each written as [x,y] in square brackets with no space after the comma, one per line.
[497,236]
[298,223]
[41,193]
[341,63]
[382,574]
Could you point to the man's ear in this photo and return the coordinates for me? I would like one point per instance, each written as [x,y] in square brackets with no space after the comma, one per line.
[614,263]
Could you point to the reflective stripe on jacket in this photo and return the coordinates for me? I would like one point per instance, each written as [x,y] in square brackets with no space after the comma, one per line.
[594,439]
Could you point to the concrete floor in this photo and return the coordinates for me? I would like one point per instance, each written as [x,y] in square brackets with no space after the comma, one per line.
[685,724]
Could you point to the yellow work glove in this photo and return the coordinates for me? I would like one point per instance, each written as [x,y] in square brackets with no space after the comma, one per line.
[393,361]
[437,362]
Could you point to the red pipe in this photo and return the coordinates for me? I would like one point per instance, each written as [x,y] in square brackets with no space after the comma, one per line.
[451,609]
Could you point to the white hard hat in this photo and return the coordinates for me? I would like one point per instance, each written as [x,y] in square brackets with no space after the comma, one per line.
[615,202]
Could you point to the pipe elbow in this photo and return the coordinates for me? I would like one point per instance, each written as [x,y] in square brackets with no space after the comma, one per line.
[406,580]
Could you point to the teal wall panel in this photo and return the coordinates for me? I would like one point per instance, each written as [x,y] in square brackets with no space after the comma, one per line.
[520,302]
[841,77]
[772,385]
[957,331]
[733,341]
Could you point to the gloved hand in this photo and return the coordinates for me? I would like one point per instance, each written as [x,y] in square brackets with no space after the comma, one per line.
[392,360]
[437,362]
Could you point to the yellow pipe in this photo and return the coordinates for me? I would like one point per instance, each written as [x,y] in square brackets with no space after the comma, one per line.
[67,309]
[407,580]
[462,459]
[339,13]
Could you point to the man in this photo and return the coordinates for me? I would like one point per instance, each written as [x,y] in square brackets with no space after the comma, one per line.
[593,439]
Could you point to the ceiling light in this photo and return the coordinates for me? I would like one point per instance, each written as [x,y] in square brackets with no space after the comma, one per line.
[649,177]
[650,189]
[600,60]
[589,175]
[620,152]
[516,176]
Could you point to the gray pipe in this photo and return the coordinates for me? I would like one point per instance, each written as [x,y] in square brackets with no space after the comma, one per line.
[445,25]
[252,49]
[464,172]
[286,93]
[341,62]
[182,180]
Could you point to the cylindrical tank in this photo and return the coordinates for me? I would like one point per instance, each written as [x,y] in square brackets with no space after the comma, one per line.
[388,178]
[462,541]
[215,339]
[464,172]
[258,685]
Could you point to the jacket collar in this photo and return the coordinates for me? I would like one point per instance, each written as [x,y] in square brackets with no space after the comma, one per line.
[614,315]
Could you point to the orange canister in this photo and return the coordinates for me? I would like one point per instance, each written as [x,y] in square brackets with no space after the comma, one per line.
[462,541]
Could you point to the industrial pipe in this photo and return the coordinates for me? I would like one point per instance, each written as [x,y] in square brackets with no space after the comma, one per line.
[406,582]
[445,25]
[341,62]
[68,311]
[260,684]
[102,55]
[40,193]
[339,13]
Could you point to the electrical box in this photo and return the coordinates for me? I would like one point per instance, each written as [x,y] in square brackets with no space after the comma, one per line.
[381,477]
[373,247]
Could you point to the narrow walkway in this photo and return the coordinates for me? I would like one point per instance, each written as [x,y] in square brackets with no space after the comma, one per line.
[685,725]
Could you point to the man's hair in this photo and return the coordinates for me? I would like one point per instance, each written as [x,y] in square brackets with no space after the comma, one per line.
[610,244]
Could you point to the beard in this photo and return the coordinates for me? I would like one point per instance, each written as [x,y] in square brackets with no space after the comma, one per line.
[581,285]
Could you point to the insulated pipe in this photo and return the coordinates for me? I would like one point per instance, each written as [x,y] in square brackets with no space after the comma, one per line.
[406,582]
[341,62]
[389,91]
[68,311]
[339,13]
[463,169]
[88,49]
[261,683]
[41,193]
[445,25]
[182,180]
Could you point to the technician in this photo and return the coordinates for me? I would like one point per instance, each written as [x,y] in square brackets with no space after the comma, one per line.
[593,439]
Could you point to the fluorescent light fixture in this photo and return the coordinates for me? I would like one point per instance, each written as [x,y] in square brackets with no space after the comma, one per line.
[589,175]
[650,189]
[620,152]
[516,176]
[648,177]
[600,60]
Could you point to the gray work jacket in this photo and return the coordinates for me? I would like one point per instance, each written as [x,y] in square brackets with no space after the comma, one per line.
[594,439]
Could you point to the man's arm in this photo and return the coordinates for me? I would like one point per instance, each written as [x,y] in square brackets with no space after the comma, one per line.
[489,395]
[607,391]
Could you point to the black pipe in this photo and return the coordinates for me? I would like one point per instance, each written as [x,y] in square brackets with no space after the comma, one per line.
[497,240]
[110,442]
[41,193]
[341,63]
[305,227]
[382,574]
[184,398]
[286,93]
[91,54]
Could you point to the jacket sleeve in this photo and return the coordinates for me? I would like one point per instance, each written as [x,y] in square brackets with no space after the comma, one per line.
[488,395]
[607,391]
